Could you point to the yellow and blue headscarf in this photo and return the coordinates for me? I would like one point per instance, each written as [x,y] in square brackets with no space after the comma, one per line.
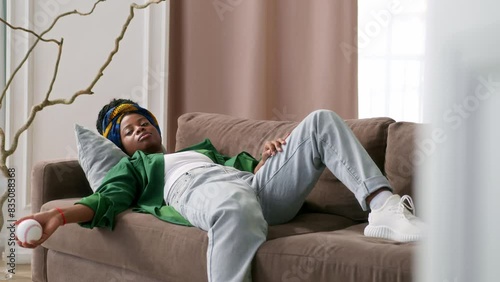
[112,119]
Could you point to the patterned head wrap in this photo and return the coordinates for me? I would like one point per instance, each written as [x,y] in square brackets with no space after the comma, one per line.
[112,119]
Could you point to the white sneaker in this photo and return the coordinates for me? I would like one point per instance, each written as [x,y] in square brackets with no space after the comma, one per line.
[395,220]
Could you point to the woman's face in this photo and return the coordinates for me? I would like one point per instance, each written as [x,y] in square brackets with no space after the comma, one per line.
[137,133]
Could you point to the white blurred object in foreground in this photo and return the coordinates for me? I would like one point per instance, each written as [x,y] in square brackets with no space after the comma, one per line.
[460,180]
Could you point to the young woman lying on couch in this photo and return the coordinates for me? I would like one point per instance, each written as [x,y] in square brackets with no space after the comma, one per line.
[234,203]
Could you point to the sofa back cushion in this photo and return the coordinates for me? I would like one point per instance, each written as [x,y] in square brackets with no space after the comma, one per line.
[231,135]
[400,158]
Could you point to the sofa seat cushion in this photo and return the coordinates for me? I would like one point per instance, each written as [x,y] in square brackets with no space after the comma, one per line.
[67,268]
[342,255]
[309,223]
[139,241]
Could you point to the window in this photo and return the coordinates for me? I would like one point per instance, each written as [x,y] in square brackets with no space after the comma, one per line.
[391,41]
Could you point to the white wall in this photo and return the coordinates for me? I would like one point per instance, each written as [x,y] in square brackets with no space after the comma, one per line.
[138,72]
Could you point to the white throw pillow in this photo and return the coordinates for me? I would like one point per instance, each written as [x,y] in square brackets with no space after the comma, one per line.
[96,155]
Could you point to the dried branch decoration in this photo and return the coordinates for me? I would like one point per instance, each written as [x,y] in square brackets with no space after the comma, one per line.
[5,153]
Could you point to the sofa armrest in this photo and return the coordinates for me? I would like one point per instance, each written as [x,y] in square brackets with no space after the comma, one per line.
[58,179]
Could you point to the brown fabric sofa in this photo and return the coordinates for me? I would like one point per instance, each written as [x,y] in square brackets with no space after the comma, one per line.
[324,242]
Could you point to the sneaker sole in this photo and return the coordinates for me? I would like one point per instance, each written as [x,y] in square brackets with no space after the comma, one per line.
[387,233]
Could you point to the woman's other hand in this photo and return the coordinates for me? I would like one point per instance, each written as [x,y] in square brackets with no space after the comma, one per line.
[271,148]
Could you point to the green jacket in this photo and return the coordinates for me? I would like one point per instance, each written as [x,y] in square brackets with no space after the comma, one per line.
[138,182]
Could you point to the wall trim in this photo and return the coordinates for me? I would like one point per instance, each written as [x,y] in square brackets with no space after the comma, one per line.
[23,86]
[28,104]
[146,47]
[164,65]
[156,61]
[3,57]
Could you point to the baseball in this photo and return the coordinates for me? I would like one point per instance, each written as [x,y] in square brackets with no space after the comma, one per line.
[29,230]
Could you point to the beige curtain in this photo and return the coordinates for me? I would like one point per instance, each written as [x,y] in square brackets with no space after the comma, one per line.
[263,59]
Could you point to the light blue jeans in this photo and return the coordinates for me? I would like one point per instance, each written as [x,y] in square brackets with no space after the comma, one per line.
[235,207]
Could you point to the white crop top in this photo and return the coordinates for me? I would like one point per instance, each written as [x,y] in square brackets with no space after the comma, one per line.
[176,164]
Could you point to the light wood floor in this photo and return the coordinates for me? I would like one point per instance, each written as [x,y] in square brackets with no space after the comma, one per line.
[23,273]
